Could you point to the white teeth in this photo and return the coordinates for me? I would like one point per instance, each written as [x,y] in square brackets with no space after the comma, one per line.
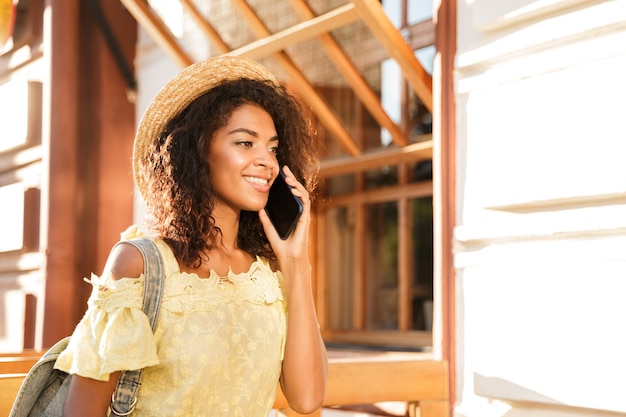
[257,180]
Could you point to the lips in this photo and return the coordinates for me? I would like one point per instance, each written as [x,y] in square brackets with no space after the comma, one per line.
[260,184]
[257,180]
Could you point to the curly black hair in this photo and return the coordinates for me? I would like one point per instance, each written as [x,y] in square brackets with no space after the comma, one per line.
[180,197]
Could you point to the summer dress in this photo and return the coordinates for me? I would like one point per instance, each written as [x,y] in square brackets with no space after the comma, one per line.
[217,349]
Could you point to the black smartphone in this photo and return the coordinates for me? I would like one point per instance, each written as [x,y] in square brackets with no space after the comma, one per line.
[283,208]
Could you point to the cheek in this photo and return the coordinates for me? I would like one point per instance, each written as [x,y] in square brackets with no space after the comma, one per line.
[226,159]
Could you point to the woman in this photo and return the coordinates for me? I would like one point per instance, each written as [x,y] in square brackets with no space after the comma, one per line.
[237,314]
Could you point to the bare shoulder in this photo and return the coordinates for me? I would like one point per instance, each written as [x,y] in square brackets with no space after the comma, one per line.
[125,261]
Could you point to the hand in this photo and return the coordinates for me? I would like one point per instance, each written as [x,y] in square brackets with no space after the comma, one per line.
[295,246]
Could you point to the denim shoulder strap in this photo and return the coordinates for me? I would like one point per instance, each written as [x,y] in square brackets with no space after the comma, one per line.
[125,396]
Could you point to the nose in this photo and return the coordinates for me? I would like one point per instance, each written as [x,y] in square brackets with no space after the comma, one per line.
[266,158]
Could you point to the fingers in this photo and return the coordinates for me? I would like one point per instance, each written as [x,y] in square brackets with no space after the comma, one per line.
[268,227]
[297,188]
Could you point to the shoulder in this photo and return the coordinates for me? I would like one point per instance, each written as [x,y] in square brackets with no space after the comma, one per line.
[125,261]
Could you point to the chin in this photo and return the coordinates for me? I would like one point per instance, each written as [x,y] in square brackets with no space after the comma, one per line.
[255,208]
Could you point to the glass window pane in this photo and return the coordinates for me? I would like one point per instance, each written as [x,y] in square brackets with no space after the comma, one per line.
[393,9]
[340,267]
[381,266]
[422,171]
[400,101]
[344,184]
[422,233]
[420,119]
[391,95]
[381,178]
[419,10]
[426,56]
[416,11]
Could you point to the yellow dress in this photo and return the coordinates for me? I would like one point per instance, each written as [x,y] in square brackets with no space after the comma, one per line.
[217,349]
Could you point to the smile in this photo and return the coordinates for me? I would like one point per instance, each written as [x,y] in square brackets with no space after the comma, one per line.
[257,180]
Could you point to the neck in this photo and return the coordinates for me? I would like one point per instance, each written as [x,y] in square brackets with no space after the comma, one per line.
[229,226]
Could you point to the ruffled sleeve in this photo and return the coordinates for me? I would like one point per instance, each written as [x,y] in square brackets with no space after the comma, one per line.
[114,334]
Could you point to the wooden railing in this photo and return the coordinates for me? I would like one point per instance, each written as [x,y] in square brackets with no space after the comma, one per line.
[13,369]
[422,383]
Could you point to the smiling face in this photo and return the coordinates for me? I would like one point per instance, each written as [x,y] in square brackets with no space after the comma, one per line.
[242,157]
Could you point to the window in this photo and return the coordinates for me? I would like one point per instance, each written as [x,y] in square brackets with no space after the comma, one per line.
[376,223]
[378,257]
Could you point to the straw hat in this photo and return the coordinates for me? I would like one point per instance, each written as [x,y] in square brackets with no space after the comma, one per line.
[179,92]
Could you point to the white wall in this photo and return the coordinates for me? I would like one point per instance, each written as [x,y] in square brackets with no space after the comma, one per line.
[540,246]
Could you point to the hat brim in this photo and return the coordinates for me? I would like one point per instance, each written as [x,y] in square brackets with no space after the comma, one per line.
[179,92]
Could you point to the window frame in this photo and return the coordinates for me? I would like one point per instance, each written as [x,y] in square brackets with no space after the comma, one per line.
[418,35]
[403,337]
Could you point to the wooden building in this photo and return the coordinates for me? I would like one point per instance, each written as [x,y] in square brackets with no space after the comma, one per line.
[75,77]
[471,210]
[65,180]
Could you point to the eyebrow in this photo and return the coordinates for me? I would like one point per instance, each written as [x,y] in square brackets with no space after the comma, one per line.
[250,132]
[244,130]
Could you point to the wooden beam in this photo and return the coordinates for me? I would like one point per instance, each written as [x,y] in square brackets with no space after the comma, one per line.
[413,339]
[18,363]
[376,19]
[61,194]
[353,77]
[359,275]
[318,105]
[315,26]
[381,195]
[205,26]
[410,153]
[307,92]
[350,381]
[433,408]
[405,270]
[9,387]
[371,382]
[158,31]
[445,196]
[368,382]
[319,241]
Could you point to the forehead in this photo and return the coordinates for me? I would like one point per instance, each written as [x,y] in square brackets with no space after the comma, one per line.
[251,114]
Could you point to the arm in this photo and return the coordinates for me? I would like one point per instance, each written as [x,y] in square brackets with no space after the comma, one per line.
[87,396]
[305,365]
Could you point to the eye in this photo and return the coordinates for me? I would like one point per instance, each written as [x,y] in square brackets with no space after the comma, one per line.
[245,143]
[273,149]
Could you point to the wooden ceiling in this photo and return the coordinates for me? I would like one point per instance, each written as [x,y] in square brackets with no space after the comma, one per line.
[370,12]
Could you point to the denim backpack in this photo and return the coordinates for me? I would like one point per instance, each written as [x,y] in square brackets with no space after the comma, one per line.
[44,389]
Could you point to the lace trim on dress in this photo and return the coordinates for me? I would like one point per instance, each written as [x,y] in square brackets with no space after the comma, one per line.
[259,285]
[185,292]
[110,294]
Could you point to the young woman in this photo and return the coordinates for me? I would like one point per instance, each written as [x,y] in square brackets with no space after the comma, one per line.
[237,314]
